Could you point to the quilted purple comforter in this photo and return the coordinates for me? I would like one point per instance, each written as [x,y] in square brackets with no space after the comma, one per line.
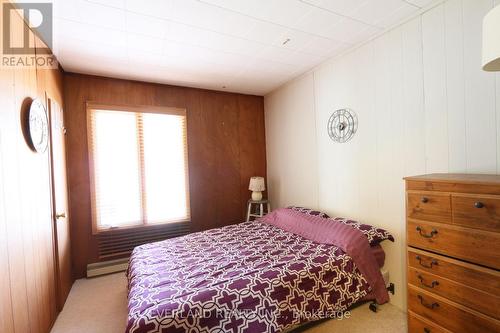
[250,277]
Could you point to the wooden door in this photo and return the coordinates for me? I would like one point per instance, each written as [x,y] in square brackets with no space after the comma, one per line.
[64,277]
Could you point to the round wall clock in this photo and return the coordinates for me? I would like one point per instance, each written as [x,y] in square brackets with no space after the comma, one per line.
[342,125]
[38,127]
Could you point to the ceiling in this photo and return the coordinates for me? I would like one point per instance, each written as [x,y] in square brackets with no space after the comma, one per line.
[247,46]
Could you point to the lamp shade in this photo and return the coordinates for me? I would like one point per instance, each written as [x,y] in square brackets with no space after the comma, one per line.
[491,40]
[257,184]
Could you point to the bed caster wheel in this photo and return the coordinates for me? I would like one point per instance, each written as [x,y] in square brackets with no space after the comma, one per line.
[391,288]
[373,307]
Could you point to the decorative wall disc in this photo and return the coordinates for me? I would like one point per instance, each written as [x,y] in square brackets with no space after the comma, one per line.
[38,126]
[342,125]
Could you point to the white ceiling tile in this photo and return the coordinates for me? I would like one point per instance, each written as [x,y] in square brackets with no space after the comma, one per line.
[266,33]
[175,49]
[65,9]
[145,25]
[396,17]
[215,43]
[422,3]
[68,30]
[323,46]
[224,43]
[202,15]
[308,43]
[93,51]
[382,13]
[102,16]
[138,57]
[342,7]
[111,3]
[286,57]
[186,34]
[155,8]
[317,21]
[282,12]
[143,43]
[350,31]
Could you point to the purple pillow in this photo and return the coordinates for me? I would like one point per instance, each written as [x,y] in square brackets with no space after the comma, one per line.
[308,211]
[374,235]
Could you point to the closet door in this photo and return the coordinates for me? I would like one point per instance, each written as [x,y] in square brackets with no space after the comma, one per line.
[60,203]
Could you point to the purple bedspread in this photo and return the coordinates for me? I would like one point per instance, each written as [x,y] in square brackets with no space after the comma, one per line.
[250,277]
[327,231]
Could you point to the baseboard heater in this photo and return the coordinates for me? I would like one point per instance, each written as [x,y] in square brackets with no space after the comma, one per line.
[107,267]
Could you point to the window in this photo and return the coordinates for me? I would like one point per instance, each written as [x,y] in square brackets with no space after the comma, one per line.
[138,166]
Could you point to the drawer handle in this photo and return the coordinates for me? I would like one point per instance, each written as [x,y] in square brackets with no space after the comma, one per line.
[427,305]
[426,330]
[424,200]
[478,204]
[433,232]
[433,262]
[432,285]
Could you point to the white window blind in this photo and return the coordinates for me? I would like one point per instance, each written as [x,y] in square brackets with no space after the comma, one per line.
[138,166]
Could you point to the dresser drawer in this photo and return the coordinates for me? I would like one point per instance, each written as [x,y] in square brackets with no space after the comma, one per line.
[449,315]
[428,206]
[478,246]
[481,212]
[477,277]
[478,300]
[417,324]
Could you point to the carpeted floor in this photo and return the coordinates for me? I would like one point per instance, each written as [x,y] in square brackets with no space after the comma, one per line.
[99,305]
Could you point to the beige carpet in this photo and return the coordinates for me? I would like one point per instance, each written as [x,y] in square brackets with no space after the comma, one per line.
[99,305]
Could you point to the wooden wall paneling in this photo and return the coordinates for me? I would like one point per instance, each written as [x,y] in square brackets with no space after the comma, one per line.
[79,184]
[251,141]
[214,143]
[224,110]
[497,88]
[479,92]
[11,145]
[6,106]
[36,217]
[14,229]
[436,125]
[497,98]
[50,89]
[27,289]
[201,158]
[25,85]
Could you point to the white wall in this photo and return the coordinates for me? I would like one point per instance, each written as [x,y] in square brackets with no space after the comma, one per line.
[291,145]
[423,105]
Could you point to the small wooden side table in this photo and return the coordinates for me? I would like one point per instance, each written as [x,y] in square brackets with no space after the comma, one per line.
[259,209]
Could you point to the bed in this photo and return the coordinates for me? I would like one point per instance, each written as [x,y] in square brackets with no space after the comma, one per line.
[250,277]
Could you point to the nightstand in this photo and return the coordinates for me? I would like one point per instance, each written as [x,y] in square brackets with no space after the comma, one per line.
[258,208]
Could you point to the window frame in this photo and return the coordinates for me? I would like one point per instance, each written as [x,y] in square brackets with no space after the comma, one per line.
[90,107]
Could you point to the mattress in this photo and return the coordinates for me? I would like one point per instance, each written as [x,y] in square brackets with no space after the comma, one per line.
[250,277]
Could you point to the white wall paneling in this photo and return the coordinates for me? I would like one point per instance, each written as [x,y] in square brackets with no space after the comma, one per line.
[424,105]
[436,113]
[479,92]
[455,90]
[291,137]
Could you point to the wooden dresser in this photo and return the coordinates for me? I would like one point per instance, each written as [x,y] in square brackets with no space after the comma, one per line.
[453,237]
